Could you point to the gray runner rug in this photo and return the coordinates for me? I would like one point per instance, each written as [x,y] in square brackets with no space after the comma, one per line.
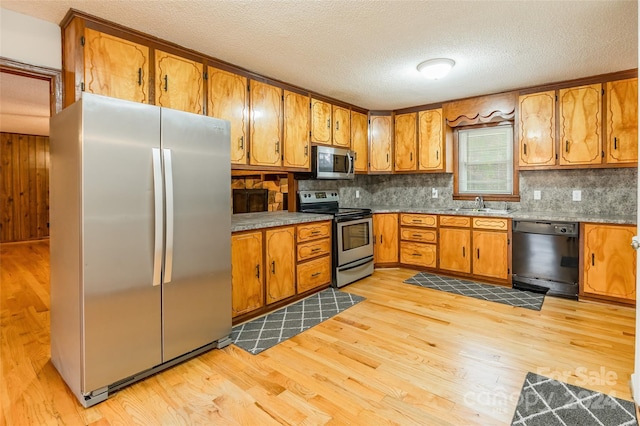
[262,333]
[492,293]
[548,402]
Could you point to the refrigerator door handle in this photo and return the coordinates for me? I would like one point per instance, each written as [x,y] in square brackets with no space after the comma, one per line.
[168,191]
[157,201]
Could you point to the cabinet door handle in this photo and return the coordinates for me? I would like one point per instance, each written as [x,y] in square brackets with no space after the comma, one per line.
[615,143]
[328,123]
[273,267]
[593,259]
[277,147]
[166,83]
[437,154]
[524,147]
[337,125]
[315,275]
[258,271]
[411,156]
[380,238]
[387,157]
[139,76]
[306,151]
[478,253]
[566,146]
[355,156]
[464,253]
[241,142]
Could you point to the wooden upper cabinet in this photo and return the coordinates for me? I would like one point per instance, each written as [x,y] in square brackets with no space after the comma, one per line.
[266,116]
[228,100]
[115,67]
[296,130]
[320,122]
[431,140]
[609,261]
[360,140]
[405,142]
[537,129]
[246,272]
[280,263]
[622,121]
[341,126]
[580,125]
[178,83]
[381,143]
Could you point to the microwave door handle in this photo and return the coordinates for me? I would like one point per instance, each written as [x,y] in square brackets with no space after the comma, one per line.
[350,169]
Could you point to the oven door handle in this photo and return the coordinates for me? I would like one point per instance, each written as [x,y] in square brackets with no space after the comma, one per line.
[357,264]
[353,218]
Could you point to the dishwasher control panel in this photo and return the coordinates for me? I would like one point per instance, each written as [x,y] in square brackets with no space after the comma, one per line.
[571,229]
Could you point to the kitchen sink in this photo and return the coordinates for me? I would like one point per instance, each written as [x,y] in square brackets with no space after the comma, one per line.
[482,210]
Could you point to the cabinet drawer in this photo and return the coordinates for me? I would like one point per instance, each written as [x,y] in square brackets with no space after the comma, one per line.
[314,249]
[418,254]
[313,231]
[459,221]
[424,220]
[490,223]
[314,273]
[419,235]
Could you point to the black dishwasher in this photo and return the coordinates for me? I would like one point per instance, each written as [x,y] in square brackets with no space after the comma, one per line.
[545,257]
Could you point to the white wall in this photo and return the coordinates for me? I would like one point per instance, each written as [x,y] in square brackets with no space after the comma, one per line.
[30,40]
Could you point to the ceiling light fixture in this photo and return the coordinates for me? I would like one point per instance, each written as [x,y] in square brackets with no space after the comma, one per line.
[435,69]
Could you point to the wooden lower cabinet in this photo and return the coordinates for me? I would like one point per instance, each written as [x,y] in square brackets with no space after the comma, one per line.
[281,263]
[609,262]
[314,255]
[491,254]
[455,246]
[246,272]
[385,236]
[418,254]
[418,240]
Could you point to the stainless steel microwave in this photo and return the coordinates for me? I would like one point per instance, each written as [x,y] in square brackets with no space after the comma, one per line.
[332,163]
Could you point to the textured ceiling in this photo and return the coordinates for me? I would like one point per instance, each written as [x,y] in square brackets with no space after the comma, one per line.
[24,105]
[365,52]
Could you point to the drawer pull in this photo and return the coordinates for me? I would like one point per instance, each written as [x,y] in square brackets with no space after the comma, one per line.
[416,221]
[416,254]
[317,249]
[416,235]
[315,275]
[315,232]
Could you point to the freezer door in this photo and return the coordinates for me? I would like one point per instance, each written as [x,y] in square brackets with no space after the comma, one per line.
[196,290]
[121,306]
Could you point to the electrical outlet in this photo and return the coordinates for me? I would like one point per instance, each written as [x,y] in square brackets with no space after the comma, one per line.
[357,193]
[577,195]
[537,195]
[434,193]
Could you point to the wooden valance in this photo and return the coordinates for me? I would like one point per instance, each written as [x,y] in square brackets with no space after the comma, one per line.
[483,109]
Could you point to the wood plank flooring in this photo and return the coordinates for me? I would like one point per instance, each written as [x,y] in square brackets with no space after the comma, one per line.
[406,355]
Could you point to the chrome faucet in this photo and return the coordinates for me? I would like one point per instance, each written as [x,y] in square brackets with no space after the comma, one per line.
[479,202]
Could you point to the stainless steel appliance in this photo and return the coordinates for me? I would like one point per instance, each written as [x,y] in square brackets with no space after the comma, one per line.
[332,163]
[140,241]
[352,235]
[545,257]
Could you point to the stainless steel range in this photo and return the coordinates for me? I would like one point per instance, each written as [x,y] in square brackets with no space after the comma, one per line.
[352,235]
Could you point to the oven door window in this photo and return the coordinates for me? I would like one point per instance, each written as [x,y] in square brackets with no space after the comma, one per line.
[355,236]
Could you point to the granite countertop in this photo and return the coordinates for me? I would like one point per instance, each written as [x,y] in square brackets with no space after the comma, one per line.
[249,221]
[516,214]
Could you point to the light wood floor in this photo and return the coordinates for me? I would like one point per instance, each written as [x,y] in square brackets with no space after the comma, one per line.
[406,355]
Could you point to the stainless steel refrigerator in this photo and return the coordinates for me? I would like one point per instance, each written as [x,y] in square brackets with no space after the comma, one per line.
[140,241]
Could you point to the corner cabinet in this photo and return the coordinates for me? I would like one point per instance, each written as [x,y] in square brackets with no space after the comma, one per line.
[360,140]
[621,118]
[609,263]
[385,238]
[228,99]
[381,144]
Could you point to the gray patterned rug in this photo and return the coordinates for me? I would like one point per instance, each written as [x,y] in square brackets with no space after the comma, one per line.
[262,333]
[548,402]
[493,293]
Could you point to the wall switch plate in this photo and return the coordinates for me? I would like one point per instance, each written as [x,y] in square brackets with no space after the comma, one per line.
[577,195]
[434,193]
[357,193]
[537,195]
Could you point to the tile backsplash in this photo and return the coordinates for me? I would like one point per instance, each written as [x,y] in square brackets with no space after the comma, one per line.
[603,191]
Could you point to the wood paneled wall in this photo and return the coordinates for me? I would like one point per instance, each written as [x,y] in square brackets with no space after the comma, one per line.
[24,187]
